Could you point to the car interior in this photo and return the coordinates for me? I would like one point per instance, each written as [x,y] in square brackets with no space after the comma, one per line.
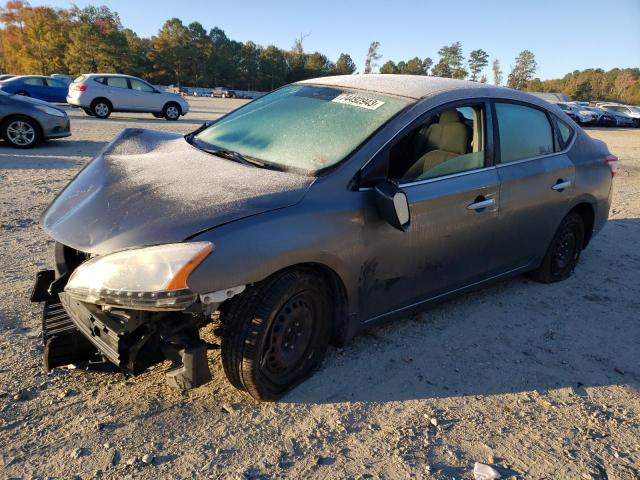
[447,142]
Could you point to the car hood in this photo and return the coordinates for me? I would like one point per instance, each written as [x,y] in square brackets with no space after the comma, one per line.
[150,187]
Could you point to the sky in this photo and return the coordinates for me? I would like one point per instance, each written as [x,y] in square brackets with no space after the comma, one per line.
[564,35]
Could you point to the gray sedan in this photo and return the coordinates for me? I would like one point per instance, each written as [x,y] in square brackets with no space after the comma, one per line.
[303,216]
[25,121]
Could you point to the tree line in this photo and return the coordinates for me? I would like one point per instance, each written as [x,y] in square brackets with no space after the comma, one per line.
[617,85]
[46,40]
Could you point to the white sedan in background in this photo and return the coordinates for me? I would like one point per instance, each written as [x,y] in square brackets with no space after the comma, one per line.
[99,94]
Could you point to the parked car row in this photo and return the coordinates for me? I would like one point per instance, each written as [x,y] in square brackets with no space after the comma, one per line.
[602,114]
[98,94]
[26,117]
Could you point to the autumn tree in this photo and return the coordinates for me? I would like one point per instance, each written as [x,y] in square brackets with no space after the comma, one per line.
[96,41]
[478,59]
[523,70]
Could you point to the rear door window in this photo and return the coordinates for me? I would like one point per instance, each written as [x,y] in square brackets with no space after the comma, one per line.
[525,132]
[117,82]
[38,82]
[56,83]
[566,133]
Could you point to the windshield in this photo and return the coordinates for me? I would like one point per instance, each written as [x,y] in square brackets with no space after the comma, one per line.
[302,127]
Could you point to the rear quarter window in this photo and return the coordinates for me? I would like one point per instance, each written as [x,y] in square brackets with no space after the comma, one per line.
[79,79]
[566,133]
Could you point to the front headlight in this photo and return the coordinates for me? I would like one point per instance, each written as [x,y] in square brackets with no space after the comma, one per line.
[150,278]
[51,111]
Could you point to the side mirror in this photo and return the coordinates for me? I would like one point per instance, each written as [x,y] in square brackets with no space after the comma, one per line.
[392,204]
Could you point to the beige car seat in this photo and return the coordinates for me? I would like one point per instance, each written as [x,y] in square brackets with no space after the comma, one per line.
[445,140]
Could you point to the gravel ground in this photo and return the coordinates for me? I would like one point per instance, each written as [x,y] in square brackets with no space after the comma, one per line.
[541,381]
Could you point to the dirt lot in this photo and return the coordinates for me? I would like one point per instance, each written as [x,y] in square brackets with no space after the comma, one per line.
[542,381]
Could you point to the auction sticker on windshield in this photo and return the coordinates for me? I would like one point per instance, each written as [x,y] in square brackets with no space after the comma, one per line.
[358,101]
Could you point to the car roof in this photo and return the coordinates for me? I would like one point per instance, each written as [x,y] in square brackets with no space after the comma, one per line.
[108,75]
[411,86]
[16,77]
[418,87]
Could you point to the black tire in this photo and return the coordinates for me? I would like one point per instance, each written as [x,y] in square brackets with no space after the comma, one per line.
[88,112]
[21,132]
[172,111]
[158,115]
[564,251]
[23,93]
[276,334]
[101,108]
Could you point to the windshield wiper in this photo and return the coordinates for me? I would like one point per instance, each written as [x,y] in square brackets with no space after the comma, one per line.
[235,156]
[189,136]
[226,153]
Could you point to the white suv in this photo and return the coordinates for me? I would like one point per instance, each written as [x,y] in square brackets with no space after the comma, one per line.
[99,94]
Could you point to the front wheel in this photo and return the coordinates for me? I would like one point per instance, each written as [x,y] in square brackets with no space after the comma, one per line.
[158,115]
[21,132]
[563,252]
[88,112]
[171,111]
[276,334]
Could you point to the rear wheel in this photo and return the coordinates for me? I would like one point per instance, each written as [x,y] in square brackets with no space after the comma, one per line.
[171,111]
[88,112]
[563,252]
[101,108]
[276,334]
[21,132]
[158,115]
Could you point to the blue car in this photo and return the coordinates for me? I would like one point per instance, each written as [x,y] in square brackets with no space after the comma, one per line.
[37,86]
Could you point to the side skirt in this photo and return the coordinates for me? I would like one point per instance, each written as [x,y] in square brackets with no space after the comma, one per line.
[419,306]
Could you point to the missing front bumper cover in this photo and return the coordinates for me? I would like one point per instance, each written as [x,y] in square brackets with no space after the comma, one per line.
[74,331]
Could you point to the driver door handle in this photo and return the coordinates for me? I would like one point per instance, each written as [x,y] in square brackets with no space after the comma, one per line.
[561,185]
[481,204]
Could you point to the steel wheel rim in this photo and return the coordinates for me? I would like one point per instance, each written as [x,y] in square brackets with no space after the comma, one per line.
[172,112]
[101,109]
[566,250]
[21,133]
[290,337]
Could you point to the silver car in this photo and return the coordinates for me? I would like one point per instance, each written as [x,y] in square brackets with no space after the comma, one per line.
[26,121]
[306,215]
[99,94]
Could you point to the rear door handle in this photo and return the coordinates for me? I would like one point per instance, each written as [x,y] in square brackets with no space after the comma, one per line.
[561,185]
[481,203]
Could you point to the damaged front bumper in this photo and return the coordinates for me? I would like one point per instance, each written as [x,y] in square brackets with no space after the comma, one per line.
[132,340]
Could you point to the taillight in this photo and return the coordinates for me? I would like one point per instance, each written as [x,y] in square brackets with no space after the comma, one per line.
[612,162]
[79,88]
